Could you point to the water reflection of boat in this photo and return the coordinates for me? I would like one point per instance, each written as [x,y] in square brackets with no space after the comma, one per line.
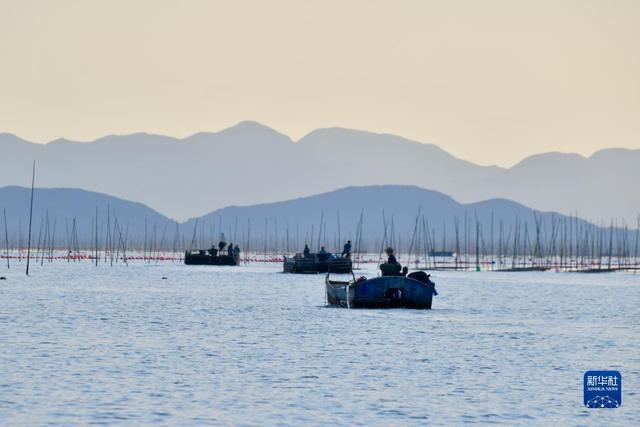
[415,290]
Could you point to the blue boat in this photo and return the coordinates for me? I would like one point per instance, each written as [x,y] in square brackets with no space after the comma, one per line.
[415,290]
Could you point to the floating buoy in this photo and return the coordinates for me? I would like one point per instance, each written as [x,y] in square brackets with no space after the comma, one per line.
[164,277]
[3,278]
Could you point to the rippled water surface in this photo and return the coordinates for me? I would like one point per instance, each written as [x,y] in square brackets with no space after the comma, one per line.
[81,344]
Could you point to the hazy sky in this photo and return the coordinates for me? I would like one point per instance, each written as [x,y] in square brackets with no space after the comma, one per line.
[489,81]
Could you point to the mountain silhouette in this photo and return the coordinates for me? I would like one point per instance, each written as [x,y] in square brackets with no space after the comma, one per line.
[251,163]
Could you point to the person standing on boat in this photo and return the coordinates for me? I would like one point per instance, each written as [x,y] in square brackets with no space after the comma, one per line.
[323,251]
[306,251]
[391,258]
[346,251]
[230,249]
[236,254]
[221,243]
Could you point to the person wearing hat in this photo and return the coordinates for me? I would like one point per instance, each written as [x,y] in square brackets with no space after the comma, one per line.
[346,251]
[392,259]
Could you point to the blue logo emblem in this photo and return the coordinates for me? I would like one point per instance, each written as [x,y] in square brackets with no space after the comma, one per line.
[602,389]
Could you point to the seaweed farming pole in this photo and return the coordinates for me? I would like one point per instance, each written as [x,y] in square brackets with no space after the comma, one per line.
[193,238]
[235,231]
[176,239]
[425,242]
[287,242]
[635,250]
[339,237]
[33,179]
[19,240]
[6,237]
[45,240]
[266,231]
[358,246]
[456,227]
[444,240]
[96,256]
[144,245]
[275,239]
[384,236]
[108,234]
[477,242]
[516,232]
[320,229]
[501,228]
[160,246]
[53,239]
[413,236]
[466,242]
[39,238]
[610,244]
[537,249]
[491,248]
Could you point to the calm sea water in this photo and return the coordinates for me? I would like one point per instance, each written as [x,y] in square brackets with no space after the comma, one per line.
[96,345]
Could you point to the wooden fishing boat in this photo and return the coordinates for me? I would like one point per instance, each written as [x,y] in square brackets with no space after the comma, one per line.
[594,270]
[317,263]
[441,254]
[202,257]
[415,290]
[523,269]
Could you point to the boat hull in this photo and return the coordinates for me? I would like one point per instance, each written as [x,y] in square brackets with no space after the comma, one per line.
[313,265]
[206,259]
[381,292]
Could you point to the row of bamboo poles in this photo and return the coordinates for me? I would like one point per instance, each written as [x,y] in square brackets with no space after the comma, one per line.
[563,244]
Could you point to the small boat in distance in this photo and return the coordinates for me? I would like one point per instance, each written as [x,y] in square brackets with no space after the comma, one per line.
[441,254]
[312,263]
[206,257]
[391,290]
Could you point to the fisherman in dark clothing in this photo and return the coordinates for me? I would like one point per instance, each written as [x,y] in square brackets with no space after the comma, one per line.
[221,245]
[213,251]
[392,259]
[236,254]
[306,251]
[230,249]
[346,251]
[392,267]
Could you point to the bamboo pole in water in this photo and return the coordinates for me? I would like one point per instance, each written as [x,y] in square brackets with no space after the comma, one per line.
[637,265]
[45,241]
[53,239]
[33,178]
[96,240]
[320,230]
[6,236]
[456,228]
[477,241]
[491,246]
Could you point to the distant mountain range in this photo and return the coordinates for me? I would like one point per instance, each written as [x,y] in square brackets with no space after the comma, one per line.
[251,163]
[328,218]
[67,209]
